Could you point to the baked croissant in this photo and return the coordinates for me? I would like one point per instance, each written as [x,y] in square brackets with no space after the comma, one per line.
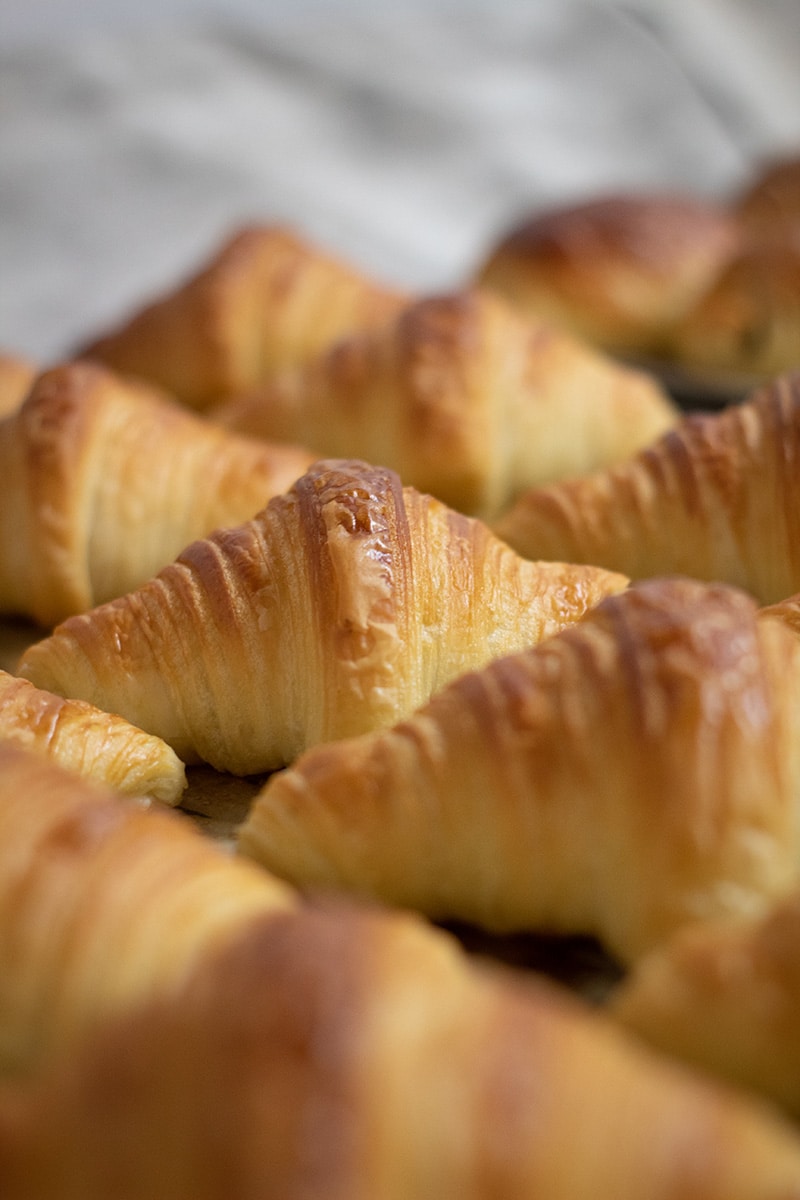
[717,498]
[96,744]
[266,300]
[725,995]
[330,1055]
[338,609]
[619,270]
[103,903]
[104,482]
[748,320]
[465,399]
[16,377]
[769,204]
[633,773]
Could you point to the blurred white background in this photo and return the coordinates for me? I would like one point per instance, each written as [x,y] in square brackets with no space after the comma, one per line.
[135,134]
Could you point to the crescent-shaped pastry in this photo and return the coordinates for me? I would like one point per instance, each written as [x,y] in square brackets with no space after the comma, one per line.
[619,270]
[338,609]
[748,320]
[769,204]
[103,903]
[634,773]
[16,377]
[104,482]
[716,498]
[95,744]
[266,300]
[332,1055]
[725,996]
[465,399]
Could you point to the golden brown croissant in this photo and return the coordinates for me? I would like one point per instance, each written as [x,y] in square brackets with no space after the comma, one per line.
[338,609]
[96,744]
[748,321]
[717,498]
[332,1055]
[635,772]
[103,902]
[769,204]
[266,300]
[465,399]
[104,482]
[16,377]
[725,995]
[619,270]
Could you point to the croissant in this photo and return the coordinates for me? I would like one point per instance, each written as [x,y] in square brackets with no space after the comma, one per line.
[715,498]
[329,1054]
[96,744]
[633,773]
[103,903]
[16,377]
[748,320]
[769,204]
[465,399]
[726,995]
[267,299]
[105,482]
[619,270]
[338,609]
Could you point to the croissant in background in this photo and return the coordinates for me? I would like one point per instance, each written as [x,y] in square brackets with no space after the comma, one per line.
[103,903]
[769,204]
[635,772]
[16,377]
[105,481]
[465,399]
[619,270]
[266,300]
[718,497]
[96,744]
[338,609]
[349,1055]
[748,321]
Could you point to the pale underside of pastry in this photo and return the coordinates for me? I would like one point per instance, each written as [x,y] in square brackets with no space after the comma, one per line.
[95,744]
[349,1055]
[725,996]
[619,270]
[634,773]
[104,902]
[340,608]
[717,498]
[266,300]
[464,398]
[105,481]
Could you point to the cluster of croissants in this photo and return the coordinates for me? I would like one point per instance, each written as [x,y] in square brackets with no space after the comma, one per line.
[499,637]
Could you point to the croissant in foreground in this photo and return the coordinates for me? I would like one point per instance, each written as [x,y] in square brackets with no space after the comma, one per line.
[725,995]
[95,744]
[104,482]
[716,498]
[638,771]
[465,399]
[338,609]
[266,300]
[103,903]
[349,1055]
